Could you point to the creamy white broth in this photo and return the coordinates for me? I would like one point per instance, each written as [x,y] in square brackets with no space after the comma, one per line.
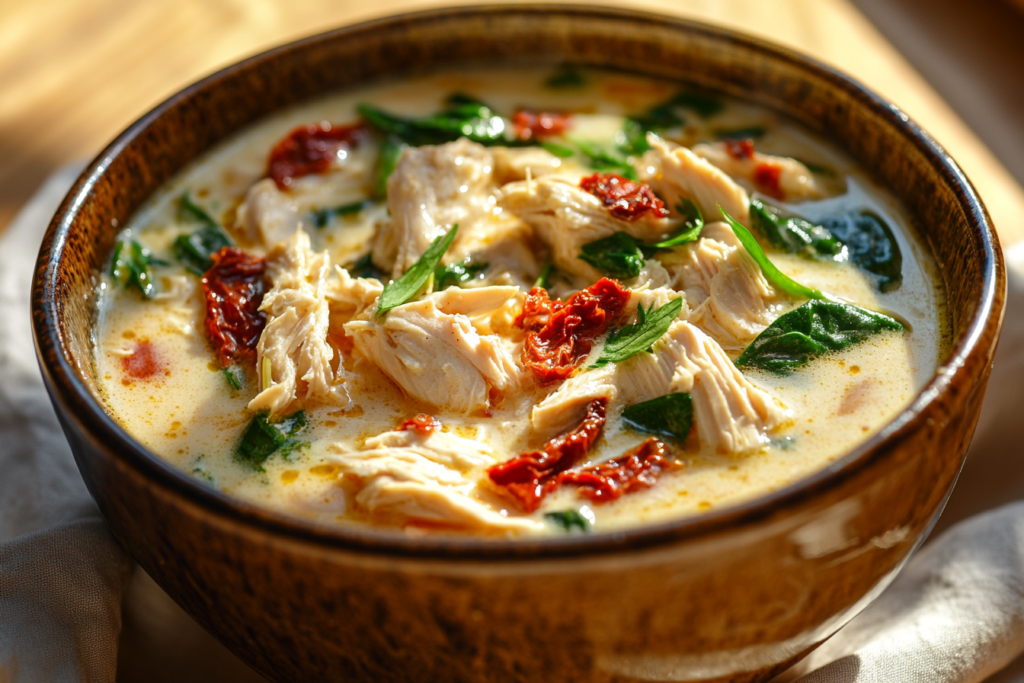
[189,415]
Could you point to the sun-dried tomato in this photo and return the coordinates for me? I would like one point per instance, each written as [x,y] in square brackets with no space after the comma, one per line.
[636,470]
[740,149]
[234,290]
[143,362]
[310,149]
[560,335]
[529,477]
[624,198]
[534,125]
[766,178]
[422,423]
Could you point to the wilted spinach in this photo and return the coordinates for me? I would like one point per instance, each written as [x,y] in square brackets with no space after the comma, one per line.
[871,245]
[792,234]
[670,415]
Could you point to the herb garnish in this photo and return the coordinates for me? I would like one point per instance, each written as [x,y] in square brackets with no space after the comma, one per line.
[195,250]
[387,159]
[404,288]
[740,133]
[814,329]
[364,267]
[544,277]
[322,217]
[568,520]
[262,438]
[616,255]
[776,277]
[129,266]
[457,274]
[560,151]
[871,244]
[602,159]
[463,118]
[231,375]
[693,223]
[630,340]
[670,415]
[566,77]
[794,235]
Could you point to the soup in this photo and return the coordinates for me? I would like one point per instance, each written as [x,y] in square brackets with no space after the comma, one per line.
[515,302]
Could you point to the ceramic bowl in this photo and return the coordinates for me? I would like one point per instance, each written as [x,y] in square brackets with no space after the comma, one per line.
[737,594]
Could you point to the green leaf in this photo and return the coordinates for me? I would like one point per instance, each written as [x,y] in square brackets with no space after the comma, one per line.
[794,235]
[566,77]
[776,277]
[670,415]
[544,278]
[639,336]
[129,267]
[601,159]
[560,151]
[463,118]
[703,105]
[263,438]
[568,520]
[812,330]
[740,133]
[693,223]
[195,251]
[389,153]
[364,267]
[233,380]
[404,288]
[291,446]
[192,212]
[322,217]
[616,255]
[457,274]
[871,244]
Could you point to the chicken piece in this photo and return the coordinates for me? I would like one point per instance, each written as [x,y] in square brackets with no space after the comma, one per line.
[434,351]
[730,298]
[432,189]
[676,173]
[566,217]
[352,296]
[268,215]
[428,476]
[783,178]
[656,297]
[732,415]
[506,244]
[294,343]
[513,163]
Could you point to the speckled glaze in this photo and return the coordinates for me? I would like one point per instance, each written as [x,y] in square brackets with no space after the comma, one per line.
[734,595]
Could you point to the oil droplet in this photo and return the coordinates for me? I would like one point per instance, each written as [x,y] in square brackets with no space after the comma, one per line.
[704,505]
[324,470]
[288,476]
[854,369]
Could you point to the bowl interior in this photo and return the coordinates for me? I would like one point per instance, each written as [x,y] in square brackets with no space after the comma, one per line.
[946,210]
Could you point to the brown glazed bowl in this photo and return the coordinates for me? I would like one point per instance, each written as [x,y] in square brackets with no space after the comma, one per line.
[737,594]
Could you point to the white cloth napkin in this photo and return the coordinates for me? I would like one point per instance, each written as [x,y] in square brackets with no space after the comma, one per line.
[955,615]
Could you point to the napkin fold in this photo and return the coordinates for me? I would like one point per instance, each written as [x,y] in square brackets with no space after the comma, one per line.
[955,614]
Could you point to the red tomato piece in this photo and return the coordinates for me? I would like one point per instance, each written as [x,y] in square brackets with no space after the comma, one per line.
[766,178]
[528,477]
[234,289]
[560,335]
[534,125]
[636,470]
[624,198]
[740,149]
[310,149]
[422,423]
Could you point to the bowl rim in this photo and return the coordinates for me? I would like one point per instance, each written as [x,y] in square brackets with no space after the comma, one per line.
[86,412]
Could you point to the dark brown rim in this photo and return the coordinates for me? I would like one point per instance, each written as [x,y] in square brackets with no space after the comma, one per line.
[90,418]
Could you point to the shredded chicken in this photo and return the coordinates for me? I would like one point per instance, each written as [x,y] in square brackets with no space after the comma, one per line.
[293,348]
[795,182]
[440,349]
[732,415]
[424,476]
[503,242]
[267,214]
[675,173]
[514,163]
[730,298]
[566,217]
[432,189]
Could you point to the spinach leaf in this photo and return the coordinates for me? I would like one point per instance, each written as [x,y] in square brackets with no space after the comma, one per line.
[670,415]
[634,133]
[568,520]
[129,266]
[364,267]
[814,329]
[262,438]
[322,217]
[463,118]
[602,159]
[693,223]
[616,255]
[775,276]
[639,336]
[740,133]
[195,250]
[544,277]
[792,234]
[871,245]
[665,115]
[560,151]
[389,153]
[404,288]
[231,376]
[566,77]
[457,274]
[703,105]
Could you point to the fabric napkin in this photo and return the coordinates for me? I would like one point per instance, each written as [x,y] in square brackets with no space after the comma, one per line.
[73,607]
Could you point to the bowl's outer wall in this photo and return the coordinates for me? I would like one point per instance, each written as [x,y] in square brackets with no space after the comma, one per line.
[729,597]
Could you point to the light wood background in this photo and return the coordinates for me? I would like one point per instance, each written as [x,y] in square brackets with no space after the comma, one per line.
[73,73]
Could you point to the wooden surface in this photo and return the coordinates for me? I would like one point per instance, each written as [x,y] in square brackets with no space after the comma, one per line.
[74,73]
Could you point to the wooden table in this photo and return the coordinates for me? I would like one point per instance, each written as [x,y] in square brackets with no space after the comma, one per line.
[73,74]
